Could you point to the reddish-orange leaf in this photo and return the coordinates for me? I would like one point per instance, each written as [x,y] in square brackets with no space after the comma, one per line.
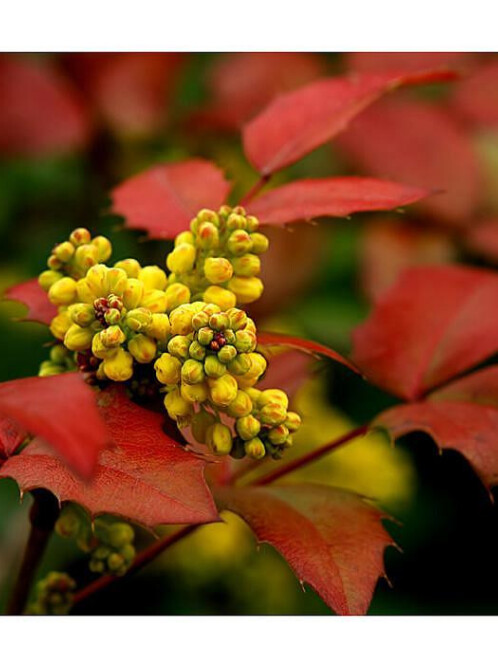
[332,539]
[30,293]
[162,200]
[63,411]
[467,427]
[482,239]
[480,387]
[432,325]
[405,61]
[146,476]
[298,122]
[477,96]
[11,437]
[387,248]
[40,113]
[274,339]
[332,197]
[419,143]
[242,83]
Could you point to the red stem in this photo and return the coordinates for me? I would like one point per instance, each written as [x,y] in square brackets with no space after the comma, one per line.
[263,180]
[142,559]
[310,457]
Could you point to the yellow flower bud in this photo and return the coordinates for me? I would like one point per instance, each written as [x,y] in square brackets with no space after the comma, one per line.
[176,295]
[213,367]
[168,369]
[181,319]
[48,368]
[80,236]
[200,424]
[86,256]
[159,328]
[278,435]
[133,293]
[248,265]
[248,427]
[84,292]
[246,289]
[254,395]
[139,319]
[222,297]
[258,364]
[273,414]
[250,326]
[219,321]
[241,406]
[255,448]
[293,421]
[260,243]
[118,366]
[274,396]
[142,348]
[64,251]
[48,278]
[196,351]
[96,281]
[179,346]
[112,336]
[240,365]
[82,314]
[63,291]
[181,259]
[207,236]
[236,221]
[194,393]
[219,439]
[252,223]
[116,281]
[104,248]
[176,405]
[54,263]
[98,348]
[239,242]
[78,338]
[223,390]
[245,341]
[155,300]
[218,270]
[130,266]
[60,324]
[227,354]
[206,215]
[153,277]
[184,237]
[192,372]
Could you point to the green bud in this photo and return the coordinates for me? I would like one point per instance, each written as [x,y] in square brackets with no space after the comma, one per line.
[179,346]
[247,427]
[213,367]
[205,336]
[116,563]
[207,236]
[82,314]
[227,354]
[120,534]
[112,317]
[236,221]
[255,448]
[219,321]
[48,277]
[192,372]
[209,216]
[252,223]
[273,414]
[196,351]
[48,368]
[58,354]
[200,319]
[278,435]
[240,365]
[138,319]
[242,405]
[245,341]
[237,318]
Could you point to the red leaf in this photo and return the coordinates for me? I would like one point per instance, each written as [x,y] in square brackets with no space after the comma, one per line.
[417,142]
[62,410]
[432,325]
[331,197]
[269,339]
[406,61]
[482,239]
[332,539]
[298,122]
[242,83]
[11,437]
[40,113]
[287,370]
[387,248]
[131,91]
[146,477]
[480,387]
[30,293]
[476,97]
[467,427]
[162,200]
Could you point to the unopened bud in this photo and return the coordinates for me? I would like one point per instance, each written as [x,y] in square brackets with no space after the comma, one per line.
[278,435]
[248,427]
[260,243]
[274,396]
[48,278]
[245,342]
[176,295]
[196,351]
[112,317]
[218,270]
[206,215]
[78,338]
[181,319]
[246,289]
[96,281]
[223,390]
[293,421]
[133,293]
[184,237]
[222,297]
[80,236]
[155,300]
[194,393]
[54,263]
[86,256]
[205,335]
[104,248]
[63,291]
[112,336]
[130,266]
[119,366]
[60,324]
[273,414]
[227,354]
[219,439]
[248,265]
[168,369]
[64,251]
[153,277]
[176,405]
[240,365]
[239,243]
[48,368]
[192,372]
[236,221]
[82,314]
[207,236]
[139,319]
[237,318]
[116,281]
[159,328]
[201,422]
[213,367]
[181,259]
[241,405]
[179,346]
[142,348]
[255,448]
[252,223]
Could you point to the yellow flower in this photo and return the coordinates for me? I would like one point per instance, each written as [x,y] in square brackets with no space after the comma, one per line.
[78,338]
[63,291]
[168,369]
[153,277]
[142,348]
[219,439]
[181,259]
[119,366]
[222,297]
[246,289]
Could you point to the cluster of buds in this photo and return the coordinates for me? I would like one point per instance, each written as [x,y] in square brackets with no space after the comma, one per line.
[124,322]
[53,595]
[218,259]
[109,542]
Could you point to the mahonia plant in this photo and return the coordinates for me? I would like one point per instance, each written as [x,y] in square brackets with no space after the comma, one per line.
[184,334]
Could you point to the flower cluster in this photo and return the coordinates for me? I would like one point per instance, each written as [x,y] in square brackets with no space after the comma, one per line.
[53,595]
[125,322]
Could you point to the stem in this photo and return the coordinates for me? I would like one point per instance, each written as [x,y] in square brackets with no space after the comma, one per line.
[43,515]
[263,180]
[143,558]
[310,457]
